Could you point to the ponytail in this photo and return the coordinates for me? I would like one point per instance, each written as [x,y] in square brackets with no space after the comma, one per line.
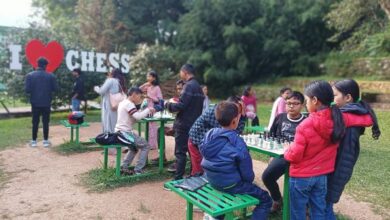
[375,127]
[338,124]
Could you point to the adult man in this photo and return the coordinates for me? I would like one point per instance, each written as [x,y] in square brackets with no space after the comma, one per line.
[188,108]
[40,85]
[78,90]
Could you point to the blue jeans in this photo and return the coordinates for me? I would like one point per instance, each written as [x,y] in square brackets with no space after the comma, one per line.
[262,210]
[76,104]
[329,213]
[312,191]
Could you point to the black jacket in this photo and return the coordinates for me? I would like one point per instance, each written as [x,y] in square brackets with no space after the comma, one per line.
[40,85]
[347,155]
[78,87]
[189,107]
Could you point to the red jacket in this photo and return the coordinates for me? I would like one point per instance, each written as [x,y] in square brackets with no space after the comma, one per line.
[312,153]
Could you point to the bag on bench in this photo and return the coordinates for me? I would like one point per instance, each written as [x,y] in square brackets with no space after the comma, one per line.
[122,138]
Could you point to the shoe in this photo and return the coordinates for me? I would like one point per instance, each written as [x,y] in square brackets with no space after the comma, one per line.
[208,217]
[33,143]
[196,209]
[155,161]
[126,171]
[46,143]
[277,206]
[139,172]
[172,168]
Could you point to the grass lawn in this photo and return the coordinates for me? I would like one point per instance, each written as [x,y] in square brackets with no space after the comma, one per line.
[17,131]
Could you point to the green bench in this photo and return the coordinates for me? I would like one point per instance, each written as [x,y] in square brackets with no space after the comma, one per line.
[214,202]
[72,128]
[118,148]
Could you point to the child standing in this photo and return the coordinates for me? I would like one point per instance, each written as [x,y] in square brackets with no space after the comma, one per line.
[279,105]
[347,98]
[249,99]
[153,91]
[312,155]
[284,126]
[127,117]
[227,162]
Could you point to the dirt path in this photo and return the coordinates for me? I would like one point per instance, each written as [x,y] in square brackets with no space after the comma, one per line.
[45,185]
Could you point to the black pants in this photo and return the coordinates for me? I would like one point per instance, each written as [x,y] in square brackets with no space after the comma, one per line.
[255,122]
[271,174]
[36,114]
[181,149]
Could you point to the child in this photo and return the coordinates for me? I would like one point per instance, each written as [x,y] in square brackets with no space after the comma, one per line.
[202,125]
[153,91]
[347,98]
[206,101]
[279,105]
[312,155]
[283,126]
[127,117]
[249,99]
[227,162]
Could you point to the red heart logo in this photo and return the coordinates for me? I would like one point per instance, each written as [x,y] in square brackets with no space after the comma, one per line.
[53,52]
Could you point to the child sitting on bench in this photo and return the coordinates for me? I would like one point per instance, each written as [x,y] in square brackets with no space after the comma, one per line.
[127,116]
[227,163]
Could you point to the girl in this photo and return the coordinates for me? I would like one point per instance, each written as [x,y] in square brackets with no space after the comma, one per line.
[347,98]
[312,155]
[249,99]
[114,83]
[153,91]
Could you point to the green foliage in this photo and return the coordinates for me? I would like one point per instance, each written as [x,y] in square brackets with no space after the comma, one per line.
[162,59]
[235,42]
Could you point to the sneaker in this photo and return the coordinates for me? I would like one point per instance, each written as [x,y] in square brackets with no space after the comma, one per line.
[46,143]
[208,217]
[126,171]
[277,206]
[139,172]
[172,168]
[155,161]
[33,143]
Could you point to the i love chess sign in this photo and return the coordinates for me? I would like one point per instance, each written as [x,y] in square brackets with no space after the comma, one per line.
[54,53]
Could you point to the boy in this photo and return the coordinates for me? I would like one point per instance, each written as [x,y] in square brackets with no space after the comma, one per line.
[227,162]
[283,126]
[127,116]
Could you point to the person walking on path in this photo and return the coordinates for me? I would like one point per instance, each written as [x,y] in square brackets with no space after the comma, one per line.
[40,85]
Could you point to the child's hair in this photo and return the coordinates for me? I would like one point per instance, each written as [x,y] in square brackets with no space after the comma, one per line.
[180,82]
[77,70]
[226,112]
[202,86]
[350,86]
[297,95]
[133,90]
[324,93]
[156,80]
[234,98]
[246,90]
[284,89]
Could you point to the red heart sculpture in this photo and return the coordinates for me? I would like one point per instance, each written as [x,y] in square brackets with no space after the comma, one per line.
[53,52]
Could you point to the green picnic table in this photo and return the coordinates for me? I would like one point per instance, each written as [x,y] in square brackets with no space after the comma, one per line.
[73,128]
[286,199]
[212,201]
[161,135]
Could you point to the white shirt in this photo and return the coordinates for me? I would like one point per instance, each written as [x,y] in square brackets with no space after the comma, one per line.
[128,115]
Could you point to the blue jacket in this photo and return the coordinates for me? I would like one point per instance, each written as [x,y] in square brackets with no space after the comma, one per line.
[347,155]
[226,160]
[40,85]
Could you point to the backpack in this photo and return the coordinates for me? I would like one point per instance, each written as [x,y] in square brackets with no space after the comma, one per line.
[76,118]
[107,139]
[119,137]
